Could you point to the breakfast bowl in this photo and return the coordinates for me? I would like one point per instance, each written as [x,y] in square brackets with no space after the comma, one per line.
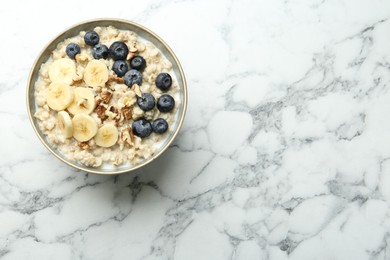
[107,96]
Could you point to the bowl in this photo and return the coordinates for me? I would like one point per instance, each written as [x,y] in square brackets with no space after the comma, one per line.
[122,25]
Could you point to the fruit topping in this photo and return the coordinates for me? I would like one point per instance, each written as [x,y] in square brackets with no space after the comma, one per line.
[165,103]
[146,102]
[160,126]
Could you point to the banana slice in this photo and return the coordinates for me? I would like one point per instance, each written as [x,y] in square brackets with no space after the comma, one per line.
[65,124]
[106,136]
[83,101]
[62,70]
[84,127]
[96,73]
[59,96]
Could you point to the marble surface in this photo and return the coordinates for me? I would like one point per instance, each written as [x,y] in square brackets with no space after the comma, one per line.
[284,154]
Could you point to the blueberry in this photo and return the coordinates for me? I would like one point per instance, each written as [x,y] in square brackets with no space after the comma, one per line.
[100,51]
[146,102]
[165,103]
[72,50]
[119,51]
[120,67]
[91,38]
[133,77]
[137,63]
[142,128]
[164,81]
[160,126]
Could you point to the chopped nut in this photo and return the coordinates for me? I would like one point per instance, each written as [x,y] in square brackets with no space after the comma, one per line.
[106,96]
[119,118]
[77,82]
[116,79]
[112,113]
[130,55]
[113,109]
[124,135]
[127,112]
[127,135]
[83,145]
[136,90]
[101,112]
[98,101]
[131,135]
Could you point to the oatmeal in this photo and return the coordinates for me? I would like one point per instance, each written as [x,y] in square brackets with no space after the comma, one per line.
[106,96]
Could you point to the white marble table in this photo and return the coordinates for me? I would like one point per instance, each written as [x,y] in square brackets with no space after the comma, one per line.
[284,153]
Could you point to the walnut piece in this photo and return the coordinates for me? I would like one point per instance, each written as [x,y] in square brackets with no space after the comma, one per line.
[130,55]
[112,113]
[106,96]
[77,81]
[98,101]
[113,109]
[127,112]
[127,136]
[131,135]
[101,112]
[116,79]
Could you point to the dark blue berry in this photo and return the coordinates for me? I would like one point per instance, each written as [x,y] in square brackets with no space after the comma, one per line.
[133,77]
[91,38]
[146,102]
[72,50]
[160,126]
[137,63]
[120,67]
[165,103]
[119,51]
[100,51]
[164,81]
[142,128]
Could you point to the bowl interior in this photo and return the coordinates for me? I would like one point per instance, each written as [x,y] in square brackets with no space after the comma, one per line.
[122,25]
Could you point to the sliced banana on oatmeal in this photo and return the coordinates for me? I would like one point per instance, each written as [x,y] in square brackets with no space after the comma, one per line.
[106,136]
[62,70]
[96,73]
[64,122]
[83,101]
[84,127]
[59,96]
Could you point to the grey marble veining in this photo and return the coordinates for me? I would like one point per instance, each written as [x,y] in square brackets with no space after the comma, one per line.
[284,153]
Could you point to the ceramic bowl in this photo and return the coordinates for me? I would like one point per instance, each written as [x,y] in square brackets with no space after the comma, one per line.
[122,25]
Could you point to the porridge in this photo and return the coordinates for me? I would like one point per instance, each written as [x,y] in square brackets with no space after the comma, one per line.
[106,96]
